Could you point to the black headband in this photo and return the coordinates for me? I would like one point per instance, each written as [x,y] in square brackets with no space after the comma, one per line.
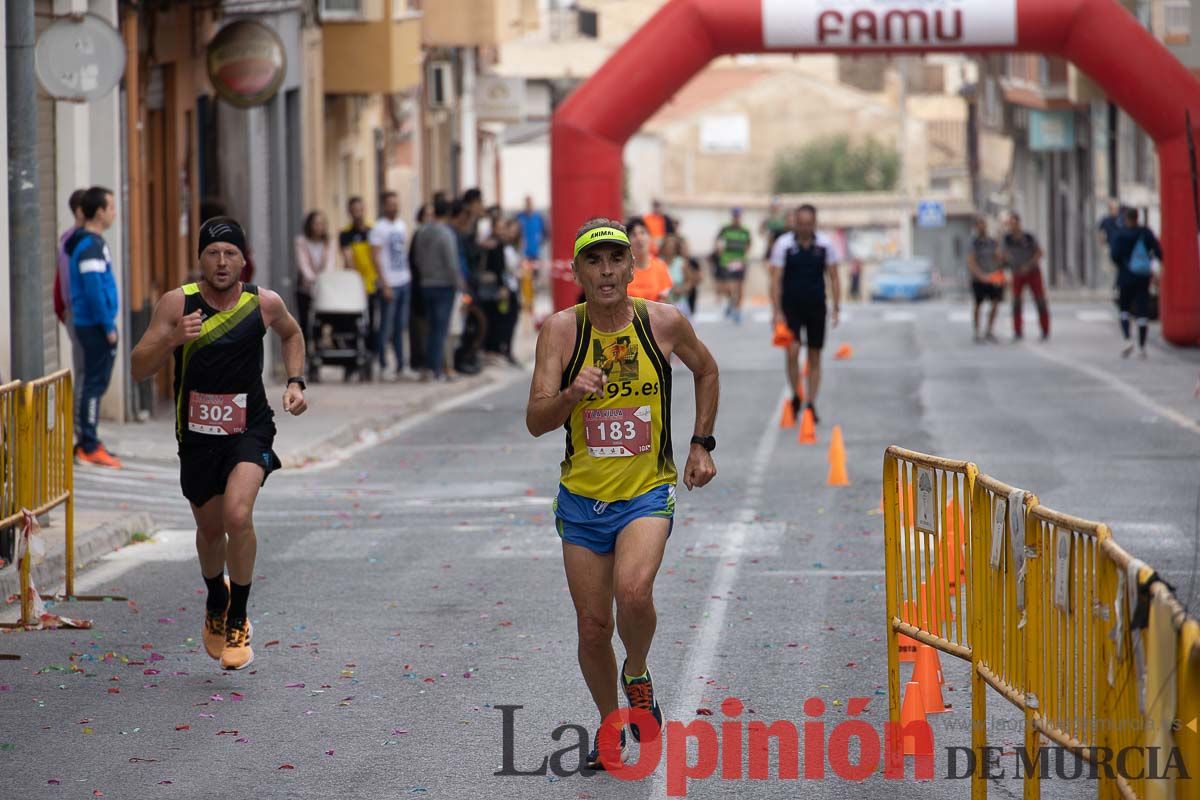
[222,229]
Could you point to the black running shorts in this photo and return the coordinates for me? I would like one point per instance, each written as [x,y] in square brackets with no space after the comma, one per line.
[987,291]
[811,318]
[204,468]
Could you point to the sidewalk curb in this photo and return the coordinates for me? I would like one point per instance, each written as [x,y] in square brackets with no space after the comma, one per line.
[90,546]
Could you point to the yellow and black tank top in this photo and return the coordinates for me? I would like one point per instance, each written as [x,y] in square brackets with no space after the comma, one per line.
[619,439]
[224,361]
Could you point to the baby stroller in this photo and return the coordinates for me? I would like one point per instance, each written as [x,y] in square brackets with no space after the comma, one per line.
[341,324]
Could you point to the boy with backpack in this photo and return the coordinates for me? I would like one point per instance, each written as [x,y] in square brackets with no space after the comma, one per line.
[1133,249]
[94,311]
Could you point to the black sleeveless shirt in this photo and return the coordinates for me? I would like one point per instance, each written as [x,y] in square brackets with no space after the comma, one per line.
[226,359]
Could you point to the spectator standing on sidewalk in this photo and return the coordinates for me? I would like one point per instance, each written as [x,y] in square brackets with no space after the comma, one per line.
[94,309]
[418,326]
[490,288]
[467,320]
[62,304]
[500,288]
[1133,250]
[510,303]
[1023,255]
[315,254]
[355,243]
[389,243]
[674,255]
[436,250]
[1111,224]
[533,231]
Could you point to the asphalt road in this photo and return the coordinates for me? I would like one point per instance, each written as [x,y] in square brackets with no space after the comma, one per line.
[401,597]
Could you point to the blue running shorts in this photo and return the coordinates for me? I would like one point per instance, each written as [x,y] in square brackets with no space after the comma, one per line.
[595,525]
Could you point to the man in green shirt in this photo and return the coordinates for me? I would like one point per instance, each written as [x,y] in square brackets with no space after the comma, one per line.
[733,252]
[775,225]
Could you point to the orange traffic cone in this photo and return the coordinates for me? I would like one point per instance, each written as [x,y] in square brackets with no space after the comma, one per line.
[930,609]
[843,352]
[955,539]
[837,459]
[950,559]
[906,644]
[788,418]
[808,429]
[954,516]
[912,710]
[928,675]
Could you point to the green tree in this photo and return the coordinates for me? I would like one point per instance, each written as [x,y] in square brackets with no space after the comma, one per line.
[835,164]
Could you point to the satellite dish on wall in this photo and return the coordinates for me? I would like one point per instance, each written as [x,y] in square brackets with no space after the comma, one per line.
[79,58]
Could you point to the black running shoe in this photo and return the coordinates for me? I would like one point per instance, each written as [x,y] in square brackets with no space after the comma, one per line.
[813,409]
[593,760]
[795,405]
[640,694]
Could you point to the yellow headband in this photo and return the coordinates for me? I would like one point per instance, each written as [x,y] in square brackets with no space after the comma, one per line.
[597,235]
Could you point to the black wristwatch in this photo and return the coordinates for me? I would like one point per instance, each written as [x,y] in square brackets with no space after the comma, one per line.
[709,443]
[300,380]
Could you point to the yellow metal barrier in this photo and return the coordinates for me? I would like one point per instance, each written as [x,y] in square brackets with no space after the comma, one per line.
[929,547]
[1187,711]
[37,467]
[12,474]
[999,558]
[10,503]
[51,420]
[1073,589]
[1094,649]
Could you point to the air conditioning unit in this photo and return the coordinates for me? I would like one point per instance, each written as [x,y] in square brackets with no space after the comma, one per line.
[440,84]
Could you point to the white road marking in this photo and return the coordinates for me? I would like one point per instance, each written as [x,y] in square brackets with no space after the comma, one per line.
[764,539]
[1095,315]
[899,316]
[700,660]
[1116,384]
[372,438]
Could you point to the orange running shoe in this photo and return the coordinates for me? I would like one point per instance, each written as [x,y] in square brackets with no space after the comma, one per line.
[100,457]
[237,653]
[214,629]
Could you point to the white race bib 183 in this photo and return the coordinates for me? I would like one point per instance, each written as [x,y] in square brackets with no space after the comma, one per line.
[617,432]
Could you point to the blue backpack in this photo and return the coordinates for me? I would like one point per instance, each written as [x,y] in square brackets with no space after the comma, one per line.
[1139,259]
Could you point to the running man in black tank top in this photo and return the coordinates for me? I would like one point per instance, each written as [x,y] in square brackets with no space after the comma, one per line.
[224,425]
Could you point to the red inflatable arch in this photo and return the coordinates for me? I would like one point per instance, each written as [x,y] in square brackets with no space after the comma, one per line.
[589,130]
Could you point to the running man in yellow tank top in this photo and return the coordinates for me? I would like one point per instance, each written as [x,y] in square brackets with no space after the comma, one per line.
[603,372]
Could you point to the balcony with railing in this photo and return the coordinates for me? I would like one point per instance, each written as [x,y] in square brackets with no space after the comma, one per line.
[1176,22]
[1036,81]
[371,46]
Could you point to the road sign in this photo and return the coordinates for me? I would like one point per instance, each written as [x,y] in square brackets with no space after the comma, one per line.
[80,59]
[931,214]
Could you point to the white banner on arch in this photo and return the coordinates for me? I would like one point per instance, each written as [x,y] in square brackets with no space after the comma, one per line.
[875,24]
